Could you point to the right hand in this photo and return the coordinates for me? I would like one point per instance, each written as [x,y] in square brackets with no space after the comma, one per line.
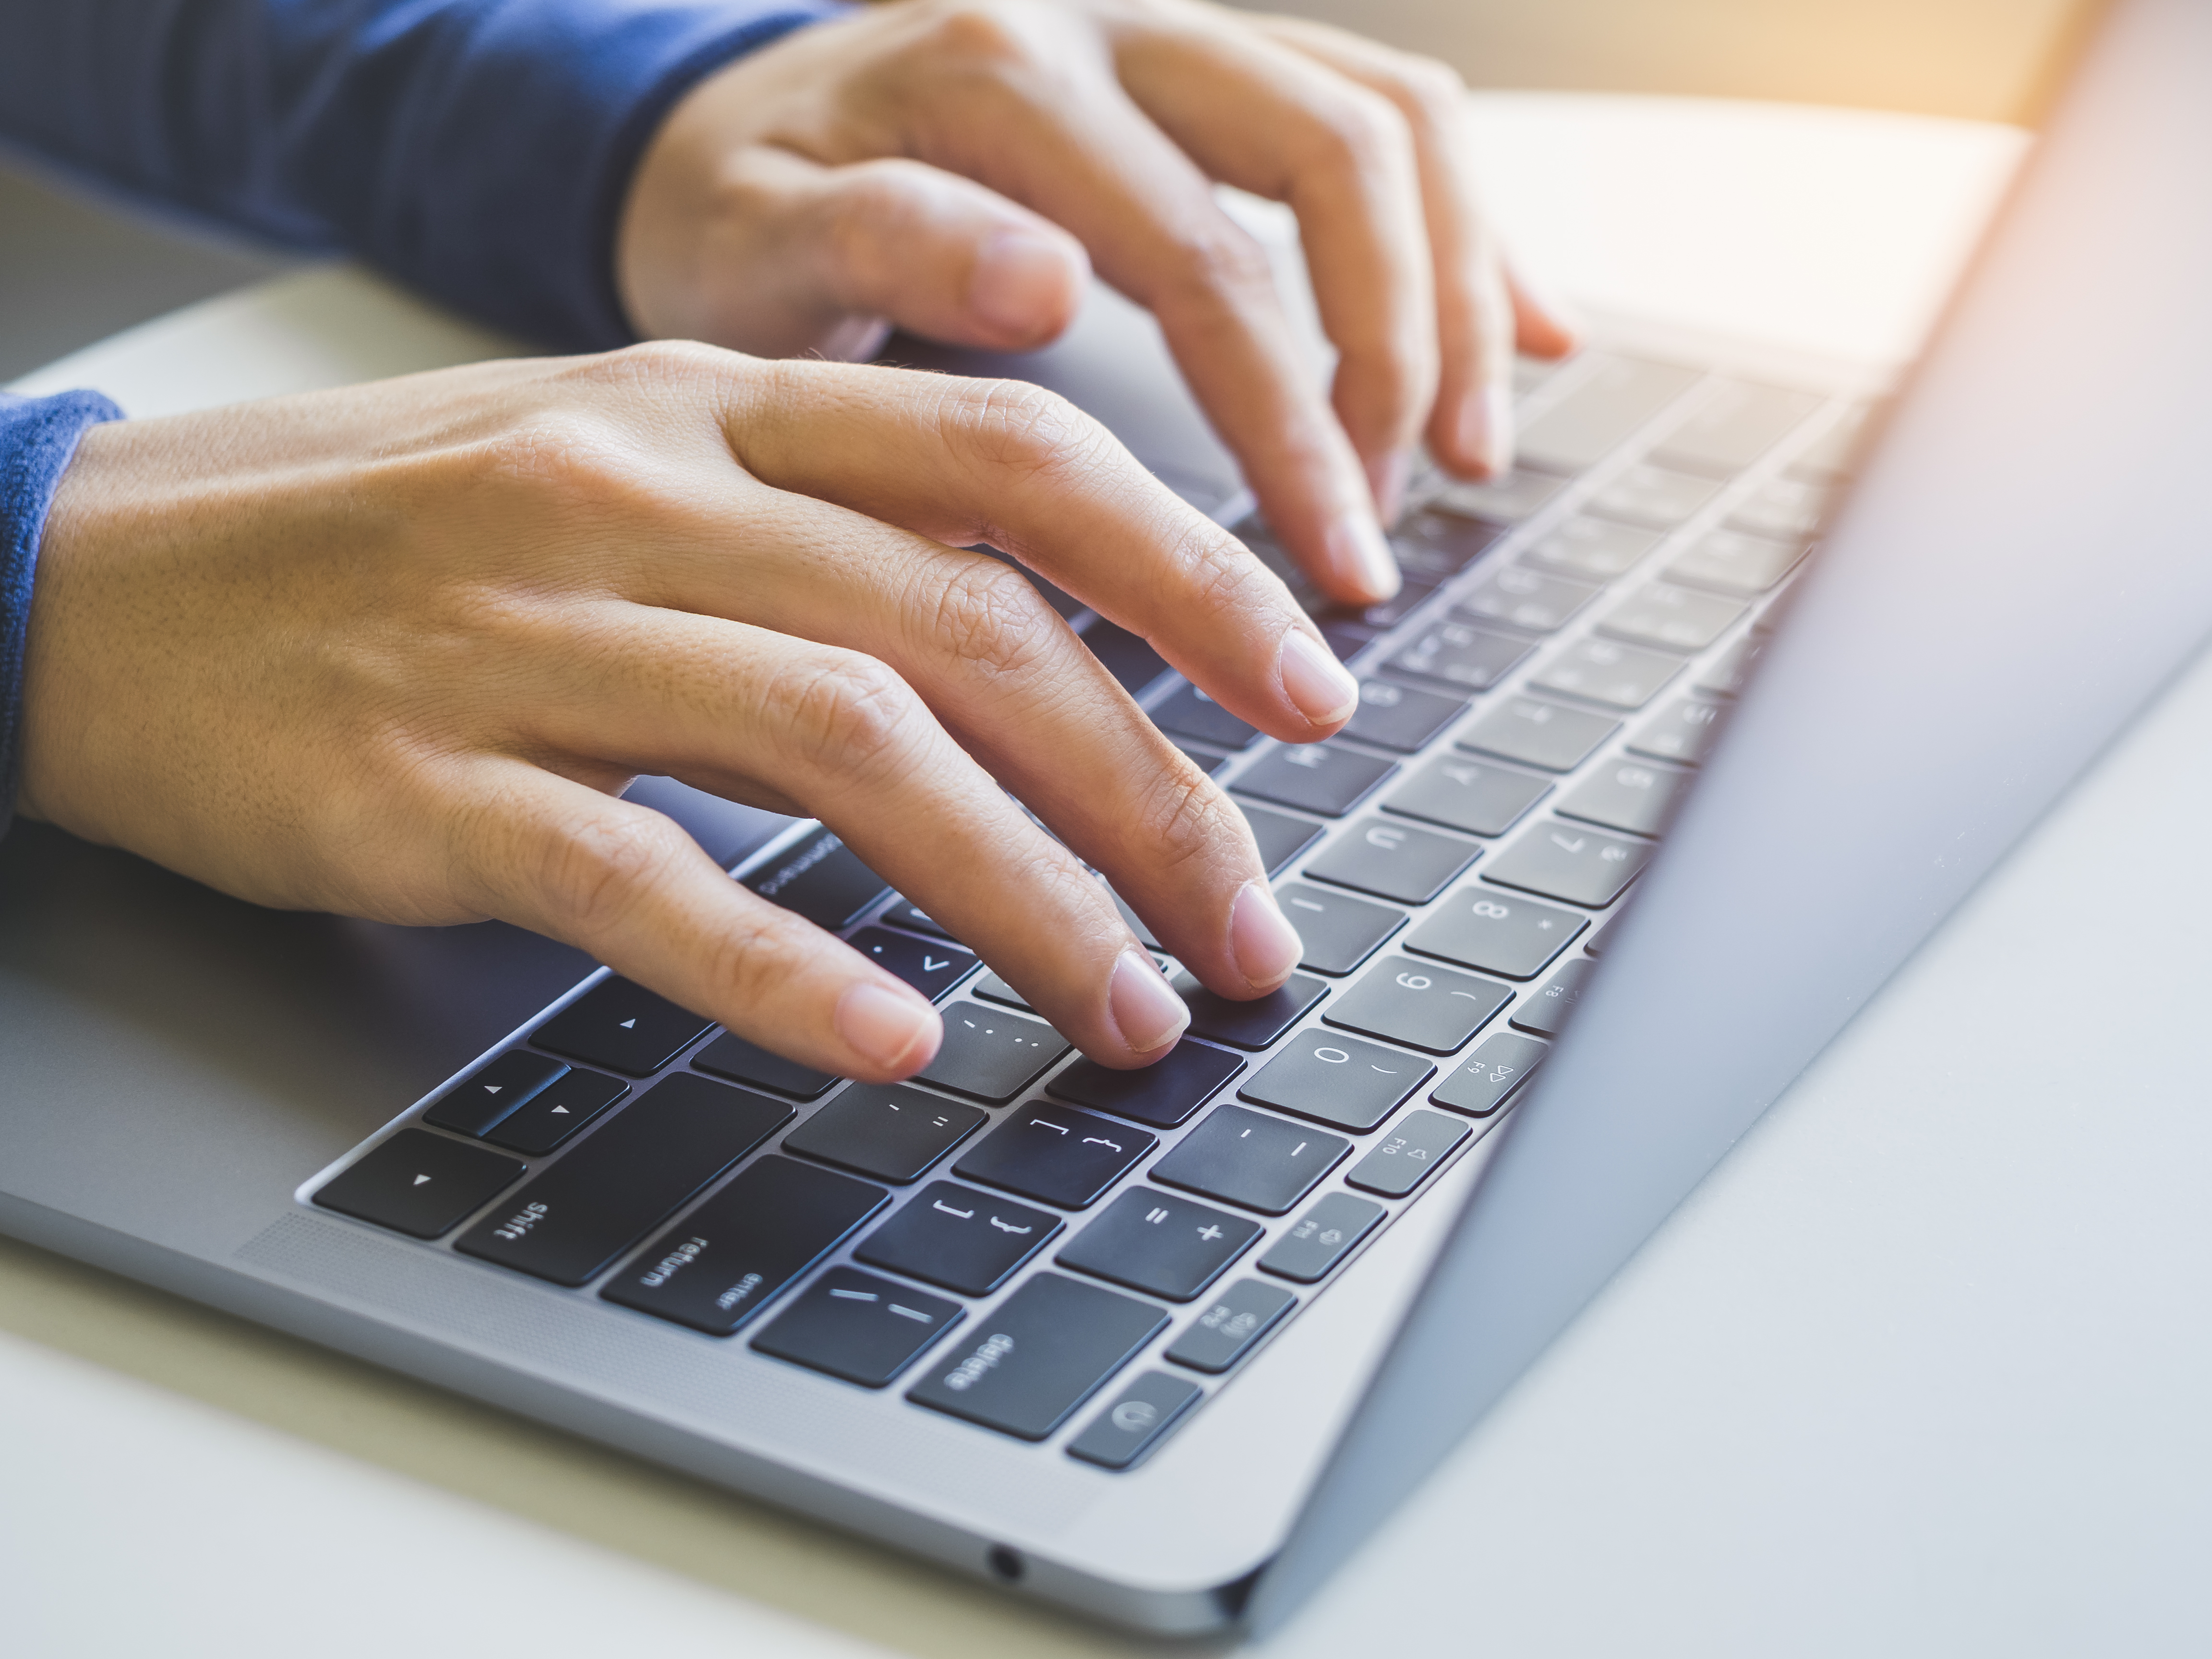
[394,651]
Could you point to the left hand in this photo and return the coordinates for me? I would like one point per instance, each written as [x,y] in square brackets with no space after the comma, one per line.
[955,167]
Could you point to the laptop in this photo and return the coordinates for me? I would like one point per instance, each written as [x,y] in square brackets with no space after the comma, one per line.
[1613,848]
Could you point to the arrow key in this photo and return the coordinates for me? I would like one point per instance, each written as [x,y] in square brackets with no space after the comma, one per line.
[420,1183]
[623,1027]
[494,1089]
[558,1111]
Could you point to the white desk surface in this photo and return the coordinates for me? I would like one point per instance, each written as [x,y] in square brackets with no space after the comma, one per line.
[1921,1370]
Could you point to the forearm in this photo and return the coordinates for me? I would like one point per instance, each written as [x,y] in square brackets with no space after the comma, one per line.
[477,149]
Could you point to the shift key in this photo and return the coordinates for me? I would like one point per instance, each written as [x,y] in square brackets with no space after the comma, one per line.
[1026,1365]
[624,1179]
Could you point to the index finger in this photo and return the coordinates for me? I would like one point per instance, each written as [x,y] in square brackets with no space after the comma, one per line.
[1096,165]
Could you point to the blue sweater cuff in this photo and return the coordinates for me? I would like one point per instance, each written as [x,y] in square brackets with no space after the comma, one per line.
[37,436]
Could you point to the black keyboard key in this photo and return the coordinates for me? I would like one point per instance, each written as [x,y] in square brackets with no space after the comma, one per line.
[1339,933]
[1566,861]
[1614,397]
[1537,733]
[1402,1159]
[1524,599]
[1520,494]
[1461,654]
[1492,1072]
[1432,546]
[1056,1154]
[1734,424]
[1627,794]
[1231,1327]
[858,1326]
[1401,717]
[932,969]
[885,1130]
[623,1027]
[643,1164]
[1732,563]
[1164,1094]
[1346,639]
[1547,1010]
[419,1183]
[1189,713]
[1498,932]
[1279,837]
[730,1056]
[821,878]
[746,1245]
[1591,549]
[1163,1245]
[1254,1024]
[1315,777]
[956,1236]
[557,1111]
[905,914]
[1394,861]
[1323,1236]
[1672,618]
[1337,1080]
[1127,656]
[492,1090]
[1656,495]
[991,1054]
[1044,1352]
[1685,731]
[1416,587]
[1420,1004]
[1622,675]
[1146,1409]
[1248,1159]
[992,988]
[1475,796]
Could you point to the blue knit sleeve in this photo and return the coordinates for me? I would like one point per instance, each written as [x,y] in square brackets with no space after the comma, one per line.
[478,150]
[37,438]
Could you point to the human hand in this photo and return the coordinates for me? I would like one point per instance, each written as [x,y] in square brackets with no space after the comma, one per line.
[947,166]
[393,650]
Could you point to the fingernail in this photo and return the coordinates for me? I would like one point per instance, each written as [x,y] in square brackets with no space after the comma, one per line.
[1262,941]
[1358,549]
[1389,478]
[1319,686]
[1486,430]
[1019,284]
[1145,1006]
[899,1033]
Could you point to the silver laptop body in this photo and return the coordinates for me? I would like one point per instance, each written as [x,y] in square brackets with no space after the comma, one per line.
[2026,558]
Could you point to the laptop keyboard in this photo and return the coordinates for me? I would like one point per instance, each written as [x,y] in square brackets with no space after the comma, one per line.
[1018,1233]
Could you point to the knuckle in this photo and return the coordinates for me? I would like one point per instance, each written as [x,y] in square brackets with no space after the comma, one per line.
[1224,259]
[978,32]
[594,865]
[1367,132]
[1429,90]
[850,713]
[1183,818]
[1020,426]
[987,615]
